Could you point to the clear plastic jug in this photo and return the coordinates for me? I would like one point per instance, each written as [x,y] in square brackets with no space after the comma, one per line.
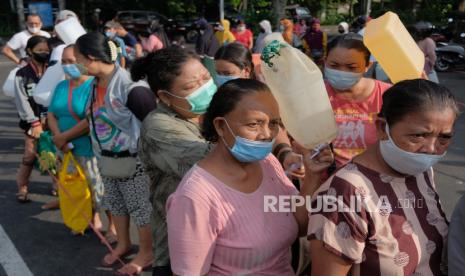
[297,84]
[394,48]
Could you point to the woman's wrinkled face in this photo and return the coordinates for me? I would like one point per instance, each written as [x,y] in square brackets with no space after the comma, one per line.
[68,56]
[255,117]
[193,75]
[348,60]
[428,131]
[226,68]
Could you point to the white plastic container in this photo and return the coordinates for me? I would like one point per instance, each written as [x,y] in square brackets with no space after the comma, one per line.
[9,85]
[394,48]
[43,92]
[298,86]
[69,30]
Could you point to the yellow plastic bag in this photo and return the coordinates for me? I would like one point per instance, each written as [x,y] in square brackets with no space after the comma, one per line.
[74,195]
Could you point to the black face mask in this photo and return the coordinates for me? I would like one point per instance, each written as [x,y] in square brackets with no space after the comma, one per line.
[341,31]
[41,57]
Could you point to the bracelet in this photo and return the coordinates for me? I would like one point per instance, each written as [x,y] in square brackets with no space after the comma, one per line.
[280,147]
[35,124]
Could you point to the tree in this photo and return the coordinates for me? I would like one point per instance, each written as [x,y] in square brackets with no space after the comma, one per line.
[61,5]
[278,10]
[20,12]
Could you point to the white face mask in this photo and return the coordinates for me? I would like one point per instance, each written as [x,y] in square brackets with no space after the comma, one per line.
[33,30]
[405,162]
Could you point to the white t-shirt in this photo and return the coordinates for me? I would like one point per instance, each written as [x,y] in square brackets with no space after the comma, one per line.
[19,41]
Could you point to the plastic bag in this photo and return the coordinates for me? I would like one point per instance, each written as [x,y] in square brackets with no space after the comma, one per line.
[47,153]
[9,85]
[74,196]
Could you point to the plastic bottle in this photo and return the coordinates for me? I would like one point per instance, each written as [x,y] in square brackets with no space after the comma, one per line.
[297,84]
[394,48]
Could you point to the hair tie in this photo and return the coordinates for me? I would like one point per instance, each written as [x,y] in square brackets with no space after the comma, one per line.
[113,50]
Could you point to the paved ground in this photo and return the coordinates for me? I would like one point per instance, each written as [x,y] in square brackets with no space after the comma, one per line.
[44,244]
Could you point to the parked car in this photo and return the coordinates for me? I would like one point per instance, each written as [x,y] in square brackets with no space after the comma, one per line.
[297,13]
[138,21]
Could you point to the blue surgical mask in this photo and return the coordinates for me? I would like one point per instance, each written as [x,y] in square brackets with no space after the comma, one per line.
[247,151]
[110,34]
[72,71]
[200,99]
[222,79]
[342,80]
[405,162]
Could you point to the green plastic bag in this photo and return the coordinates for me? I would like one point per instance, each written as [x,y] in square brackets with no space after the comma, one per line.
[46,151]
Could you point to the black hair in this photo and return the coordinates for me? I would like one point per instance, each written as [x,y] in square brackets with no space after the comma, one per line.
[412,96]
[53,42]
[225,100]
[160,68]
[34,40]
[238,55]
[350,41]
[97,46]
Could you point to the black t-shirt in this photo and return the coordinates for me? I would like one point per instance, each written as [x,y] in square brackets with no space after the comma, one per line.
[141,101]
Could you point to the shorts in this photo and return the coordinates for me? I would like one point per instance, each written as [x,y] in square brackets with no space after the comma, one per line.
[129,196]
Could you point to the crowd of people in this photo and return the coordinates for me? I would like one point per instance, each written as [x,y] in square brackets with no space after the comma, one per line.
[188,153]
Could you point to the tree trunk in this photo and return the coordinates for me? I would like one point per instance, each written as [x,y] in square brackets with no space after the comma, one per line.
[20,12]
[278,10]
[61,5]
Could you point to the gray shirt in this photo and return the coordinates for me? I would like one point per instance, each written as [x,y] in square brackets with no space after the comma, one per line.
[169,146]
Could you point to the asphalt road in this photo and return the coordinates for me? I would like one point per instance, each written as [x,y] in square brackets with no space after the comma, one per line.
[45,246]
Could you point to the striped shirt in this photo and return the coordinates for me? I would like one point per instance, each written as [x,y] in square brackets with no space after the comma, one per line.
[399,227]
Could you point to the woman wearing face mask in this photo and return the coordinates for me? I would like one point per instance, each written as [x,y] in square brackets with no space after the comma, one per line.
[244,35]
[170,141]
[265,29]
[31,114]
[233,61]
[398,227]
[67,120]
[355,100]
[216,218]
[115,110]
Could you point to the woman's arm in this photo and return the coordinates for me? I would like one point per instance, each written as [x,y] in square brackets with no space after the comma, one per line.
[325,263]
[314,169]
[53,123]
[61,139]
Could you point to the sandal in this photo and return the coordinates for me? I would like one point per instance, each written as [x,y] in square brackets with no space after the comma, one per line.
[109,263]
[22,197]
[135,269]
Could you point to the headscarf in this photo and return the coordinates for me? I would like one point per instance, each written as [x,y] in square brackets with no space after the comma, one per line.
[344,26]
[259,44]
[225,36]
[288,30]
[206,45]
